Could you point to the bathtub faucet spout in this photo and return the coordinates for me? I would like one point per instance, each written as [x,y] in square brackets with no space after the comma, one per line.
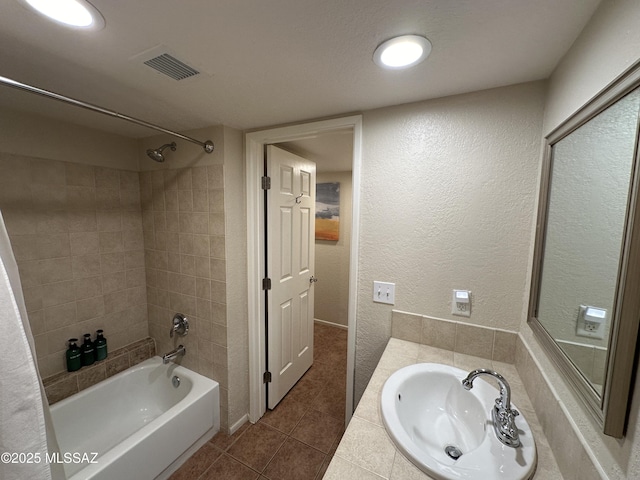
[178,352]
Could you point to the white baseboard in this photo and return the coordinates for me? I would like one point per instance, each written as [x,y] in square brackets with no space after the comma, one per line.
[331,324]
[236,426]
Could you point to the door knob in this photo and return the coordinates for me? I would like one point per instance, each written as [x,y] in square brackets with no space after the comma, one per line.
[313,279]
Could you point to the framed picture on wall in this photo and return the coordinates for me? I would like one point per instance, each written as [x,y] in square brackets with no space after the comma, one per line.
[328,211]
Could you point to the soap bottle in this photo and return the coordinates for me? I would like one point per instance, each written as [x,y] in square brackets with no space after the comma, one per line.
[87,351]
[73,356]
[100,345]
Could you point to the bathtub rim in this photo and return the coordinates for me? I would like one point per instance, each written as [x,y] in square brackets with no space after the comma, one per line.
[156,360]
[199,389]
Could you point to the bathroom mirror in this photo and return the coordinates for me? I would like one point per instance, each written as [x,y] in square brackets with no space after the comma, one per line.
[585,290]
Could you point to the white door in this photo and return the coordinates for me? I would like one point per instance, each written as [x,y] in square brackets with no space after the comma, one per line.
[290,266]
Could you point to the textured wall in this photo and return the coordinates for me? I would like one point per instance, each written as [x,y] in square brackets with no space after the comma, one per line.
[332,259]
[608,45]
[236,260]
[37,136]
[448,194]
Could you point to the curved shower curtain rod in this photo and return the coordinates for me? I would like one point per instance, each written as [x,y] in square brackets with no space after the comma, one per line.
[208,145]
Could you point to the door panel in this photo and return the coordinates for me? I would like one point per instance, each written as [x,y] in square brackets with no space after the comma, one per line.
[290,263]
[286,355]
[304,323]
[286,247]
[305,258]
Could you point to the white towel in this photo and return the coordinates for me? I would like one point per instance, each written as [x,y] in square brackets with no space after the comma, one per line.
[25,420]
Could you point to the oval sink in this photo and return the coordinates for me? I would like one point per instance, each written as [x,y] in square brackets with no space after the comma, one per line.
[447,431]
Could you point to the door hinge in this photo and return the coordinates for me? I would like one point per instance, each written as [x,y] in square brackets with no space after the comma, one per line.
[266,183]
[266,377]
[266,284]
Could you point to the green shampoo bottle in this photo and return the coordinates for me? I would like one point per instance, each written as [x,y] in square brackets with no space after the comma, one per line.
[73,356]
[100,345]
[88,354]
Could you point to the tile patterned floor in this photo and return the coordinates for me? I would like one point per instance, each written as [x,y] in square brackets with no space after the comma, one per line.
[297,439]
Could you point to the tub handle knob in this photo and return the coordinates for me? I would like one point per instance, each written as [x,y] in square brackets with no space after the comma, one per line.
[180,325]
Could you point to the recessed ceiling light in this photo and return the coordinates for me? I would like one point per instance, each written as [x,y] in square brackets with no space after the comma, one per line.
[402,52]
[70,13]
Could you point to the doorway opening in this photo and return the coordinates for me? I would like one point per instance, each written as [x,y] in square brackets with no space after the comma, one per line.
[300,138]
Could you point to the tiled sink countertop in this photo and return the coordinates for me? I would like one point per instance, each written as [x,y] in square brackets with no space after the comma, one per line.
[367,452]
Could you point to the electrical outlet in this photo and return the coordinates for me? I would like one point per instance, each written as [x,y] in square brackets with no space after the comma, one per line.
[384,292]
[593,325]
[461,303]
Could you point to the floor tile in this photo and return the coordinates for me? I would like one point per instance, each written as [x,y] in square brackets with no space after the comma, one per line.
[305,391]
[228,468]
[330,355]
[198,463]
[323,468]
[320,372]
[295,461]
[223,441]
[285,416]
[257,446]
[297,439]
[318,430]
[331,400]
[334,447]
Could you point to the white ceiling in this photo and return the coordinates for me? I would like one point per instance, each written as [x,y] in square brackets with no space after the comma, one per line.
[269,62]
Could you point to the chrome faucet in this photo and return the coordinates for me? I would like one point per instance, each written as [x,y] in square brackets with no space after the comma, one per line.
[503,415]
[178,352]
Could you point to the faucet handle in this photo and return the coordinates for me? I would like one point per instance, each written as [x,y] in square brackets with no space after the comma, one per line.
[180,325]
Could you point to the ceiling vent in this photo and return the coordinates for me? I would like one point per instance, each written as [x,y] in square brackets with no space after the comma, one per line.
[169,63]
[172,67]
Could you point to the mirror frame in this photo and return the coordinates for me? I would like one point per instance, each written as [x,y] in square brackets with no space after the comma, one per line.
[611,407]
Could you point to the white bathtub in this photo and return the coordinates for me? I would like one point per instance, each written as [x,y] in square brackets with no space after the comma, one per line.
[137,422]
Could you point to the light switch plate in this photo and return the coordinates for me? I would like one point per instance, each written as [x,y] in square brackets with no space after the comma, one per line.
[384,292]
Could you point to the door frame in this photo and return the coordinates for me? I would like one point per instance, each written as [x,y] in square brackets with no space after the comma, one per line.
[254,151]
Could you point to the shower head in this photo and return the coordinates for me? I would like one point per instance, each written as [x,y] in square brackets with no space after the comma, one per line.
[157,153]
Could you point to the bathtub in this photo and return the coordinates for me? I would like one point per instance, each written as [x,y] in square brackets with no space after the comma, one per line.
[136,424]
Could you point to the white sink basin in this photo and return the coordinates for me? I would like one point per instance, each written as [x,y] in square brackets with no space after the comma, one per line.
[427,413]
